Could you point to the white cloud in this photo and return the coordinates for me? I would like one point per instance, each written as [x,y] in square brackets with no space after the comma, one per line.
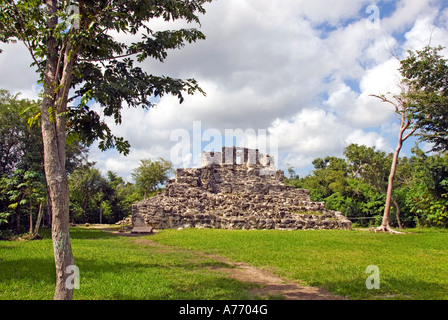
[15,72]
[333,11]
[304,70]
[406,13]
[369,139]
[382,78]
[360,110]
[425,33]
[262,62]
[310,133]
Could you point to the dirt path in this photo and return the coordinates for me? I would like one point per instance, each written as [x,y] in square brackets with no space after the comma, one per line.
[268,283]
[271,284]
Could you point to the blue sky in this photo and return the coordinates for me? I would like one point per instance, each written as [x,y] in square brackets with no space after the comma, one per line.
[300,70]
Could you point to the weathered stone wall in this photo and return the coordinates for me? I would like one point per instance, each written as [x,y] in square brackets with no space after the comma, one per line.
[230,196]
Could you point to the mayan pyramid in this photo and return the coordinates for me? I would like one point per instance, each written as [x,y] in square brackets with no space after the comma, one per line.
[237,188]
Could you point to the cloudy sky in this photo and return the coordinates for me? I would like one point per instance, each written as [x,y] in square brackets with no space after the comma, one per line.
[297,71]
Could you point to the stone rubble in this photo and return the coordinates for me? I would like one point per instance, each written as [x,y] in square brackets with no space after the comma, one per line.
[224,194]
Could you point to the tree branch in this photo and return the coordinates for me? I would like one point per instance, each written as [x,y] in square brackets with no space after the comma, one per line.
[25,40]
[355,173]
[384,99]
[410,134]
[110,58]
[61,53]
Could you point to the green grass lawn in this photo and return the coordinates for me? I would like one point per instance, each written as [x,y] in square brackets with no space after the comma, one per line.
[113,267]
[412,266]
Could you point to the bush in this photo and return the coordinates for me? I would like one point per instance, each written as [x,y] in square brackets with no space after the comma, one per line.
[6,234]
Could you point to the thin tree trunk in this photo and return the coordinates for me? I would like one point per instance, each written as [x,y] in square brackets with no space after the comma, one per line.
[18,214]
[53,135]
[397,213]
[400,108]
[31,219]
[84,210]
[31,222]
[39,219]
[84,216]
[18,221]
[385,225]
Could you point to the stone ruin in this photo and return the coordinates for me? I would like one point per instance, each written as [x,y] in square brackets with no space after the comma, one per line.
[237,188]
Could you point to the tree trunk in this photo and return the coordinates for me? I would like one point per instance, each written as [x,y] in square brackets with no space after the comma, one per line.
[385,225]
[39,219]
[31,218]
[59,200]
[18,221]
[18,215]
[31,222]
[84,210]
[397,213]
[53,135]
[84,216]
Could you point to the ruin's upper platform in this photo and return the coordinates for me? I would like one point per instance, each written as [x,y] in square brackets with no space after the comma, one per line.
[237,156]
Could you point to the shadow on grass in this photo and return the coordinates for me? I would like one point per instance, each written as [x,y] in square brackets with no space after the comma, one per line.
[396,288]
[132,280]
[28,269]
[175,266]
[90,234]
[81,233]
[204,288]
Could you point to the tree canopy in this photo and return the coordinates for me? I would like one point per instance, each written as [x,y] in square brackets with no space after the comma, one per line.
[90,64]
[426,73]
[150,174]
[78,61]
[356,185]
